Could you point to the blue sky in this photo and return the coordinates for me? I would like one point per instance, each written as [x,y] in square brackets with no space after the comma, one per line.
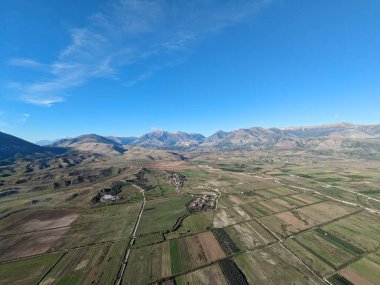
[125,67]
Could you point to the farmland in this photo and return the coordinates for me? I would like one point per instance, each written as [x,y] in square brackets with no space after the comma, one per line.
[263,228]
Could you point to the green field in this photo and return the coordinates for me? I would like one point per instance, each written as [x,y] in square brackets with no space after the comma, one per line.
[27,271]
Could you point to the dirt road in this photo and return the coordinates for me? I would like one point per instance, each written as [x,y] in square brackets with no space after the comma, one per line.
[132,241]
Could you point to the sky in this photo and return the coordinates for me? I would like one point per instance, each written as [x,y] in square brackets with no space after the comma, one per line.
[126,67]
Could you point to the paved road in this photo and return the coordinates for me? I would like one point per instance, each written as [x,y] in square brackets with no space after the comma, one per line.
[132,241]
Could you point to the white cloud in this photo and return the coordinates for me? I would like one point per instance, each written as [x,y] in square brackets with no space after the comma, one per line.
[128,41]
[24,118]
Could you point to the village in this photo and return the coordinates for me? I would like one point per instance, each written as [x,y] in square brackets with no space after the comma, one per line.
[206,201]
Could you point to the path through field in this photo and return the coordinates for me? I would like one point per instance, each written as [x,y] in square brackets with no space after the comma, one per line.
[132,241]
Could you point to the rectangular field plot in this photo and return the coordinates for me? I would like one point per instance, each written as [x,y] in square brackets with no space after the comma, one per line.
[205,276]
[151,263]
[306,199]
[365,271]
[275,265]
[361,230]
[282,191]
[34,220]
[22,245]
[106,212]
[324,212]
[290,222]
[327,252]
[229,216]
[308,258]
[249,235]
[160,215]
[287,223]
[88,265]
[147,264]
[27,271]
[96,232]
[193,251]
[237,199]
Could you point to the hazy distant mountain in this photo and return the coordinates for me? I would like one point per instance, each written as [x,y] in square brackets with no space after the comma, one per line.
[44,142]
[93,143]
[334,136]
[164,139]
[340,129]
[11,145]
[317,137]
[123,140]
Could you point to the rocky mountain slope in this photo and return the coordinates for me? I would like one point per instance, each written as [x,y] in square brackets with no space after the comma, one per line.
[92,143]
[317,137]
[164,139]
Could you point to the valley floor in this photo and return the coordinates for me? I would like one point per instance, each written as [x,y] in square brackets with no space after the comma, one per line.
[214,218]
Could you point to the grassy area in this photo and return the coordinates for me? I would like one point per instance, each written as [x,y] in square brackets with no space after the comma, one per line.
[91,265]
[27,271]
[175,256]
[161,214]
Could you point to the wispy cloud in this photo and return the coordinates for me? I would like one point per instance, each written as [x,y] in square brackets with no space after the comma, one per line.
[24,118]
[128,41]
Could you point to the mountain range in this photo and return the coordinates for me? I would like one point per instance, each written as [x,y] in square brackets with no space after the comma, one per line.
[334,136]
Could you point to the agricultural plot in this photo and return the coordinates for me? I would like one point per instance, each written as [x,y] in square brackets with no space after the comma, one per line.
[160,215]
[108,212]
[306,199]
[226,242]
[326,211]
[148,239]
[232,272]
[205,276]
[193,251]
[229,216]
[274,266]
[308,258]
[35,220]
[97,232]
[27,271]
[22,245]
[194,223]
[149,263]
[361,230]
[365,271]
[333,255]
[282,191]
[290,222]
[249,235]
[88,265]
[287,223]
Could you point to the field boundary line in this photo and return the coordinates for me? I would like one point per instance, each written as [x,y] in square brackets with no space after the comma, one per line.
[54,265]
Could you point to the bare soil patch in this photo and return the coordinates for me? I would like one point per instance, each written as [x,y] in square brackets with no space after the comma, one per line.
[41,220]
[355,278]
[170,165]
[30,244]
[210,246]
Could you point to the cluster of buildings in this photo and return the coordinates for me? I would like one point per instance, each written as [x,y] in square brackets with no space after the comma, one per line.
[109,198]
[200,203]
[178,180]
